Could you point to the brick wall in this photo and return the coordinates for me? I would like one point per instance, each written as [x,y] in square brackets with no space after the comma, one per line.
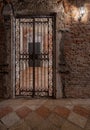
[77,56]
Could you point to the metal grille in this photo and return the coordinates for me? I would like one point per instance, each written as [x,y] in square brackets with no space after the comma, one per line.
[35,56]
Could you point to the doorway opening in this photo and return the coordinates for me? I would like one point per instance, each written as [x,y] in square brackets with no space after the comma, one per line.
[35,56]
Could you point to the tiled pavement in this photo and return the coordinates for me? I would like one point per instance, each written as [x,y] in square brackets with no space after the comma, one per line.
[45,114]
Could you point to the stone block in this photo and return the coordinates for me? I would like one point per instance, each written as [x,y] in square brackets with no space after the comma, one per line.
[77,119]
[62,111]
[10,119]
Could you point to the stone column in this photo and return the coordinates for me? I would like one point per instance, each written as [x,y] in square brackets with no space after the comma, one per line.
[63,68]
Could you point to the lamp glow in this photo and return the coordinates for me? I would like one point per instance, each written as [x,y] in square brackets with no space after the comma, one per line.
[81,13]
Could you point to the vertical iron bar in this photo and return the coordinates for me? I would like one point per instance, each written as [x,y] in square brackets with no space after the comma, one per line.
[36,68]
[19,58]
[47,59]
[23,59]
[48,56]
[44,56]
[40,87]
[37,77]
[45,87]
[26,57]
[37,60]
[52,59]
[22,56]
[33,57]
[15,57]
[31,68]
[29,82]
[41,55]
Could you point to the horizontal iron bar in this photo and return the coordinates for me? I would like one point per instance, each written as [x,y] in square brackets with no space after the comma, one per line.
[35,54]
[4,65]
[35,59]
[35,22]
[49,15]
[3,72]
[30,96]
[33,91]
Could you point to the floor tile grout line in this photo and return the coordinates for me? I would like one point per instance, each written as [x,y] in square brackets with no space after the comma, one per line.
[75,124]
[4,124]
[86,123]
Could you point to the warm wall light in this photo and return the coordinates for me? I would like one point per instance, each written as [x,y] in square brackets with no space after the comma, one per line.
[81,9]
[81,13]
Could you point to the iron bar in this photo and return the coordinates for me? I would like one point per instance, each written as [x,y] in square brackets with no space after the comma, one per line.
[48,57]
[33,57]
[40,57]
[15,57]
[19,58]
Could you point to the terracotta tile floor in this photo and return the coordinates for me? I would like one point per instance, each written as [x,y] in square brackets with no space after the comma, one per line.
[45,114]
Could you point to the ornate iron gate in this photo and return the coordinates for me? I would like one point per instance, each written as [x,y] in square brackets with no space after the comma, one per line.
[35,51]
